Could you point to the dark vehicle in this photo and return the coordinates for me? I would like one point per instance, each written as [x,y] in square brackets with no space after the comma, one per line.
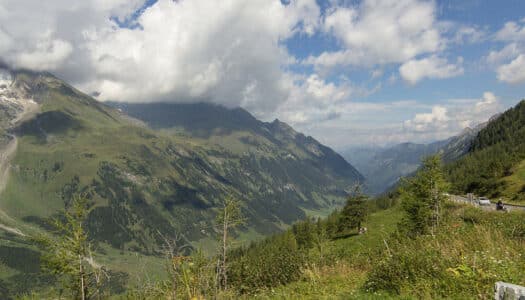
[499,205]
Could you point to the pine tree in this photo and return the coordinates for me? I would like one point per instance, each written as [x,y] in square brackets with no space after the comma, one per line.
[304,232]
[354,211]
[422,198]
[331,223]
[68,254]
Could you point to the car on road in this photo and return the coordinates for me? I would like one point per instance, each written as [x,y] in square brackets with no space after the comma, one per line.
[483,201]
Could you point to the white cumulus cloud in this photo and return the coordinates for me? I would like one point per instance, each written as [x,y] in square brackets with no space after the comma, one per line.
[228,52]
[513,72]
[449,119]
[434,120]
[381,32]
[234,53]
[512,31]
[430,67]
[510,60]
[312,99]
[47,55]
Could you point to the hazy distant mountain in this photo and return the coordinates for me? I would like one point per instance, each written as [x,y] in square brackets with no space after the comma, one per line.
[459,145]
[360,156]
[382,167]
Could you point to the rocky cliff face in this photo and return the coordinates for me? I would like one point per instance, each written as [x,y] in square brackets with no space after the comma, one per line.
[459,145]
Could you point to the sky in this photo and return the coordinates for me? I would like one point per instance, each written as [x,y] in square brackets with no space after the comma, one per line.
[349,73]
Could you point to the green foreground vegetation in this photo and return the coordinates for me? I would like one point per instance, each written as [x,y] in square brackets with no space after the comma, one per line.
[417,245]
[449,251]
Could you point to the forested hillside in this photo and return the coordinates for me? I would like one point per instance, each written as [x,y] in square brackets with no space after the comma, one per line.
[417,245]
[143,183]
[492,166]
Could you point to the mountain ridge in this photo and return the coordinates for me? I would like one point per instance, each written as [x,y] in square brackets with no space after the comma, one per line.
[382,167]
[160,116]
[160,178]
[494,164]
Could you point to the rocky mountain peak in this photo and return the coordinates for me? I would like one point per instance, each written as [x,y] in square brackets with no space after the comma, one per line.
[283,128]
[6,79]
[15,99]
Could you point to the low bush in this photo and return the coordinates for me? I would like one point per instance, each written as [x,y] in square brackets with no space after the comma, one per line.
[471,251]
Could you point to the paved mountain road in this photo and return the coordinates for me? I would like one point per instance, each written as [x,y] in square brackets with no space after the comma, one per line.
[465,200]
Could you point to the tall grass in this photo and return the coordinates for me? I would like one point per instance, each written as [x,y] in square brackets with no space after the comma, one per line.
[472,250]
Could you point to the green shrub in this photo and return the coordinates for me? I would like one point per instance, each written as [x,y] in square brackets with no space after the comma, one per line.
[471,251]
[267,264]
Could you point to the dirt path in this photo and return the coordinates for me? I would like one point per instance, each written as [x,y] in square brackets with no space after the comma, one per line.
[30,109]
[6,154]
[12,230]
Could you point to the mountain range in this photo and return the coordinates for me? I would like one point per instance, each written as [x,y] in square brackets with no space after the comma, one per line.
[383,167]
[162,168]
[157,170]
[149,171]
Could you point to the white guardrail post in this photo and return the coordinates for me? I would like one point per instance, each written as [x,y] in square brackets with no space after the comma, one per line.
[508,291]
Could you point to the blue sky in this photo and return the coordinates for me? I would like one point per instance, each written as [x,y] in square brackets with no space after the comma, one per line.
[489,16]
[348,73]
[477,77]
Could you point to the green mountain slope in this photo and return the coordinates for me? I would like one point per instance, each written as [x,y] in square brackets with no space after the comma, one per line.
[145,181]
[493,166]
[142,181]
